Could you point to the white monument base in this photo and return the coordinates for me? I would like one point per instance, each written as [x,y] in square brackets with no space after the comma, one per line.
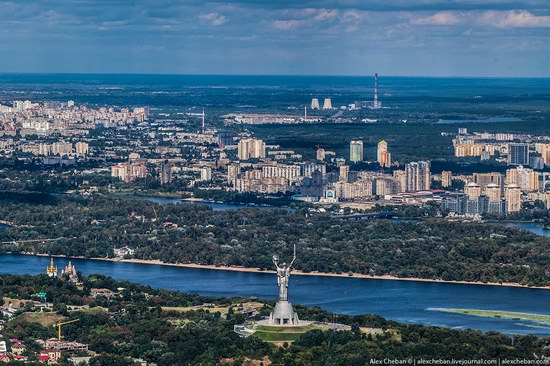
[283,314]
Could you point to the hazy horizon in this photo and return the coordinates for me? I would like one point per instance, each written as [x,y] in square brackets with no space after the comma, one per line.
[282,75]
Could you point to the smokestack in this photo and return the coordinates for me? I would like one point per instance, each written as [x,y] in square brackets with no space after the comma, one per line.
[375,104]
[203,121]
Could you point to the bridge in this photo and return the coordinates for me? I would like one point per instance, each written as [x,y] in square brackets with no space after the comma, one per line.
[370,216]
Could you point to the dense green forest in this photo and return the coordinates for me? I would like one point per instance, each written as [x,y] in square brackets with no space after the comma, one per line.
[186,233]
[133,324]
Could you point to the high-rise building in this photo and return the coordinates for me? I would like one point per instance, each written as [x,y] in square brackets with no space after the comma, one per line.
[344,173]
[81,148]
[62,148]
[546,155]
[206,173]
[472,191]
[527,179]
[484,179]
[137,169]
[225,138]
[120,171]
[446,178]
[251,149]
[376,104]
[320,154]
[315,103]
[233,171]
[417,176]
[544,151]
[356,151]
[513,198]
[383,156]
[493,192]
[400,180]
[518,154]
[165,172]
[327,104]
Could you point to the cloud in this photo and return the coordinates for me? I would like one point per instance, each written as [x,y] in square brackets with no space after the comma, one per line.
[286,24]
[215,19]
[440,18]
[514,19]
[365,35]
[326,14]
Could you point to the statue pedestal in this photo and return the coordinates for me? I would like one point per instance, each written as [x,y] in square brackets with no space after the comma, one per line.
[283,314]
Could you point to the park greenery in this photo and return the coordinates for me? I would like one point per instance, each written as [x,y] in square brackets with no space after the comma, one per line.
[431,248]
[133,324]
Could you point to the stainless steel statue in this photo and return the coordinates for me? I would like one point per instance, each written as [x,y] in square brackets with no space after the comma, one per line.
[283,313]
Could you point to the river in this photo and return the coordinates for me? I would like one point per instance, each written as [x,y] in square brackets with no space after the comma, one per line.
[403,301]
[533,227]
[216,206]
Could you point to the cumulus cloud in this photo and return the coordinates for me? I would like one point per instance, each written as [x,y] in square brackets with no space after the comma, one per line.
[514,19]
[439,18]
[214,18]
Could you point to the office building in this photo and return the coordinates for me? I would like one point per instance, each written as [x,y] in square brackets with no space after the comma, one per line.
[518,154]
[417,176]
[356,151]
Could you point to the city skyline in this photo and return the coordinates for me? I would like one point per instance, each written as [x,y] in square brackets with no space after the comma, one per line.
[439,38]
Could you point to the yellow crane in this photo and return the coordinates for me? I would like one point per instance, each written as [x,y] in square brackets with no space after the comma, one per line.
[60,323]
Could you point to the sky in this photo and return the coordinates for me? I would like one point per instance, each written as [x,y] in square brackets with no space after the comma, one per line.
[507,38]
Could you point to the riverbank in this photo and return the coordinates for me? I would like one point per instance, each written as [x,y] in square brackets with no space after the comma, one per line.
[301,273]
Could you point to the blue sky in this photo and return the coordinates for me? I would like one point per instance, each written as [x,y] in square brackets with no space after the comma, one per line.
[348,37]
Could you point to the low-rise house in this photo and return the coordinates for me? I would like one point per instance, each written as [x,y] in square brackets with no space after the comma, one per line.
[123,252]
[17,347]
[49,356]
[4,357]
[95,292]
[79,361]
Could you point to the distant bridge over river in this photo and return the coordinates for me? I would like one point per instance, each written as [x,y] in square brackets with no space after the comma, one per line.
[370,216]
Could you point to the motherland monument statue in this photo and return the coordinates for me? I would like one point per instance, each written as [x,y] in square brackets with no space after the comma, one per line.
[283,313]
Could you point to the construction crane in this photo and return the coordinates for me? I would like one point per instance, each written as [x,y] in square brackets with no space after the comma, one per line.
[59,324]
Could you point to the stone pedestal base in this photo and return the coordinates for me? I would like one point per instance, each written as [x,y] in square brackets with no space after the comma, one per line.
[283,314]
